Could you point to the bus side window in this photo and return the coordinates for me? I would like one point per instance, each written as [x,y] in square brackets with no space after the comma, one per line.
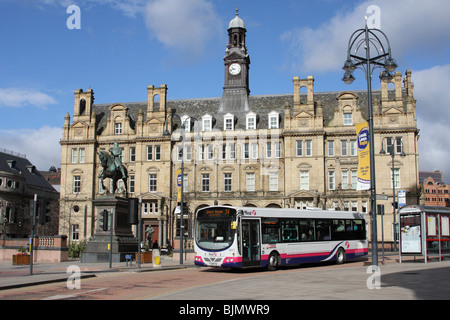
[289,230]
[323,230]
[338,230]
[307,229]
[358,230]
[270,232]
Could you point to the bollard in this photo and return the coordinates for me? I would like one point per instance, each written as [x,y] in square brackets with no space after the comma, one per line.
[156,258]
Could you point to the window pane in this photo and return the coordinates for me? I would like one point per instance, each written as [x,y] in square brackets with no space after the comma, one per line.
[250,182]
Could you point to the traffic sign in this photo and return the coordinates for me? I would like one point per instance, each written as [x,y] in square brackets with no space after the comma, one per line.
[381,197]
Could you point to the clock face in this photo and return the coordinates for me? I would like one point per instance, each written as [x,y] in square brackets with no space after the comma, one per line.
[235,69]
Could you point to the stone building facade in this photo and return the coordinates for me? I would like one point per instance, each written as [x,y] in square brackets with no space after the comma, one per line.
[295,150]
[19,182]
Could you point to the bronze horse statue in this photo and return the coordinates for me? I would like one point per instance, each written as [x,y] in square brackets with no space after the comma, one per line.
[113,169]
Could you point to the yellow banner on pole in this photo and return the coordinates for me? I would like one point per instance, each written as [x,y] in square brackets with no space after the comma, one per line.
[179,182]
[362,133]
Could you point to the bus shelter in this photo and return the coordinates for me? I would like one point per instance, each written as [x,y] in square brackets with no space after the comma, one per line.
[424,231]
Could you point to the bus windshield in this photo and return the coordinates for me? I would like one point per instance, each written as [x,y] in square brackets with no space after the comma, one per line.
[215,229]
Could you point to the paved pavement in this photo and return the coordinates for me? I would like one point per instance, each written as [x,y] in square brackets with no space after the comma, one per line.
[19,276]
[411,279]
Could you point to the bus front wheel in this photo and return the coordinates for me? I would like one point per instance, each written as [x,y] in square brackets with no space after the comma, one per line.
[274,261]
[340,256]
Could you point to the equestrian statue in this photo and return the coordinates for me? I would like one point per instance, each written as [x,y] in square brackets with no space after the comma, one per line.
[113,167]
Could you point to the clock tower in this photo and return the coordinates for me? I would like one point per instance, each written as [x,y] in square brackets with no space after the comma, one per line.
[237,62]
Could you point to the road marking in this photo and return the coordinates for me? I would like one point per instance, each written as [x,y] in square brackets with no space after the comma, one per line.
[68,296]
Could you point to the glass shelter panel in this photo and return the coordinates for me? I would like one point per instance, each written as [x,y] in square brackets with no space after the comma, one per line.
[410,227]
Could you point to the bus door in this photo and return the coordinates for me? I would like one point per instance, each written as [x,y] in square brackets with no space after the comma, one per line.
[251,246]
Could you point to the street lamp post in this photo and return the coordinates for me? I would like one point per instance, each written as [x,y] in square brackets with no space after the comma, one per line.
[167,133]
[391,151]
[367,39]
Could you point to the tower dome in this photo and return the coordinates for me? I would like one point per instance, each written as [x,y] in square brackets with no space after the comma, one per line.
[236,22]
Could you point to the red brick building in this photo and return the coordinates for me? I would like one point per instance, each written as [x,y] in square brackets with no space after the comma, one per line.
[435,192]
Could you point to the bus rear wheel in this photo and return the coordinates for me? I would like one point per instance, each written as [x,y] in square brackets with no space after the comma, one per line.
[274,261]
[340,256]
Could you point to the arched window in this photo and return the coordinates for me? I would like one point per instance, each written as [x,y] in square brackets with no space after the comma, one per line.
[82,106]
[156,102]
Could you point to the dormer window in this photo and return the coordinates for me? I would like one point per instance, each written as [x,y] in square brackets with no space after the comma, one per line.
[118,128]
[228,122]
[11,163]
[348,119]
[186,120]
[273,120]
[207,122]
[250,121]
[31,168]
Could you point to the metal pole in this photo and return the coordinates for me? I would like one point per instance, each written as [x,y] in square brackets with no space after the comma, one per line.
[382,236]
[372,154]
[32,233]
[182,191]
[111,215]
[140,232]
[85,222]
[393,191]
[423,230]
[438,216]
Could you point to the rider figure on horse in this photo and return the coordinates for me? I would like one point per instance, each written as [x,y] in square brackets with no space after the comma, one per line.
[112,167]
[116,153]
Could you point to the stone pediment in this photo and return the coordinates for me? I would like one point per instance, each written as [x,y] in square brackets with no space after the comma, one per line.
[347,95]
[393,111]
[154,120]
[228,168]
[118,107]
[397,163]
[303,114]
[79,130]
[152,196]
[303,194]
[304,166]
[79,125]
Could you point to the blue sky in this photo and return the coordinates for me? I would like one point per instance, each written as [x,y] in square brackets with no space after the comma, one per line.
[124,46]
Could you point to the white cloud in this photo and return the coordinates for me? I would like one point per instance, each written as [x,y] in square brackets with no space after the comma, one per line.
[40,145]
[130,8]
[410,25]
[433,113]
[19,97]
[431,90]
[184,25]
[434,148]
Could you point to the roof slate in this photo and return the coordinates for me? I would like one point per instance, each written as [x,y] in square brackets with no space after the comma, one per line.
[262,105]
[21,166]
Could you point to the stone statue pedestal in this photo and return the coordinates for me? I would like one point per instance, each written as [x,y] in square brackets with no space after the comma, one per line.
[123,240]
